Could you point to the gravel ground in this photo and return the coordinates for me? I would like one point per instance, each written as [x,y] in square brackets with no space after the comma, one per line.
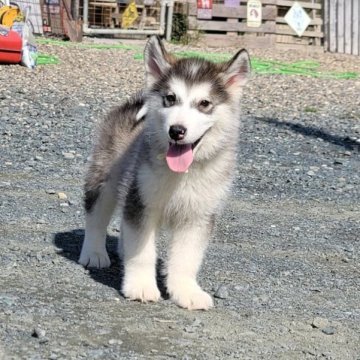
[284,262]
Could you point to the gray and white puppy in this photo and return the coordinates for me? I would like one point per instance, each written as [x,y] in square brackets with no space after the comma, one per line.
[166,158]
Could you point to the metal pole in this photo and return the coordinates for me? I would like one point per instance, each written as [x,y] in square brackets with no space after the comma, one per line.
[86,15]
[169,19]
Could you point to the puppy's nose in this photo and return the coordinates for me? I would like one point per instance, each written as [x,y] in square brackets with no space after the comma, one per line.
[177,132]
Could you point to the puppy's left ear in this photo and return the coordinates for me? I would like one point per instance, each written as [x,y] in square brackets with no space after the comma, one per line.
[237,70]
[157,60]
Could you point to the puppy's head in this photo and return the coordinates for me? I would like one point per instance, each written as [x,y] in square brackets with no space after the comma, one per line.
[190,101]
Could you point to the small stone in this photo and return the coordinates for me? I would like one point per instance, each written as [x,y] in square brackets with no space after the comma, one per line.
[222,292]
[50,191]
[39,158]
[319,322]
[329,330]
[311,173]
[338,162]
[68,156]
[347,153]
[38,333]
[62,196]
[64,204]
[115,342]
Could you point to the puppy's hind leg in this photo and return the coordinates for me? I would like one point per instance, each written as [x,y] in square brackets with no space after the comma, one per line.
[99,204]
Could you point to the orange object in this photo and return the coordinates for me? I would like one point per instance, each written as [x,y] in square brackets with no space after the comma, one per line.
[8,14]
[10,46]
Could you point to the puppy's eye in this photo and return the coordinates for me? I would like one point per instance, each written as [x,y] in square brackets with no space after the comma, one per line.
[204,104]
[169,100]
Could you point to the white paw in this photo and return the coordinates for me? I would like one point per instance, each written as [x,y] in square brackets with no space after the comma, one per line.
[94,259]
[190,296]
[141,289]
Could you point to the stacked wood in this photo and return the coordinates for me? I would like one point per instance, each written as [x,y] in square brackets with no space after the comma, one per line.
[228,25]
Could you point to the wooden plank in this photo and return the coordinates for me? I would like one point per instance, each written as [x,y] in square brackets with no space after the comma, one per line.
[305,5]
[340,26]
[347,27]
[356,28]
[211,25]
[316,21]
[243,41]
[326,25]
[289,31]
[332,25]
[219,10]
[304,48]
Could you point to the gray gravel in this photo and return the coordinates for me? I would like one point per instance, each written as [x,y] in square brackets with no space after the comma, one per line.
[284,262]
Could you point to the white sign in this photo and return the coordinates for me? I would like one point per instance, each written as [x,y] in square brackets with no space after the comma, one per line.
[254,14]
[297,19]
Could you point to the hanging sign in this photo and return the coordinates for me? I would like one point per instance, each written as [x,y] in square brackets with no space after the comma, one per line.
[254,13]
[204,9]
[129,16]
[297,19]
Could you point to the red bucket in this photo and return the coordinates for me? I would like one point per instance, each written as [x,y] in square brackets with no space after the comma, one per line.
[10,46]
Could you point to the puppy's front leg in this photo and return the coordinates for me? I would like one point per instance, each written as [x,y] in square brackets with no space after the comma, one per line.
[185,256]
[139,258]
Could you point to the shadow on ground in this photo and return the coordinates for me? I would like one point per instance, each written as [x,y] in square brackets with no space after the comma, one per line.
[70,243]
[313,132]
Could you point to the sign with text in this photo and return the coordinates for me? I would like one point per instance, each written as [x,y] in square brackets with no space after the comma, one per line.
[254,13]
[297,19]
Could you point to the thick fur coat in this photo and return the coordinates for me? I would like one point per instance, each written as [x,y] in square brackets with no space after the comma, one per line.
[166,158]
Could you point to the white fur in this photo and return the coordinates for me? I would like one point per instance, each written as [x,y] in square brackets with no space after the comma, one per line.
[186,114]
[184,202]
[139,259]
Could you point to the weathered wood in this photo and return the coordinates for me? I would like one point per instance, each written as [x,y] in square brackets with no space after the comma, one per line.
[289,31]
[229,24]
[268,12]
[347,27]
[305,5]
[340,26]
[356,28]
[245,41]
[314,21]
[332,26]
[210,25]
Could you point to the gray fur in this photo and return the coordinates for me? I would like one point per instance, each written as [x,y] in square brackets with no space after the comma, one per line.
[128,162]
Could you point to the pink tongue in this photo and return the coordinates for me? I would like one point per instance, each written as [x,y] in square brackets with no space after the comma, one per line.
[179,157]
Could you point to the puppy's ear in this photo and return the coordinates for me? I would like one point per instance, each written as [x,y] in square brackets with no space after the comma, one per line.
[237,71]
[157,60]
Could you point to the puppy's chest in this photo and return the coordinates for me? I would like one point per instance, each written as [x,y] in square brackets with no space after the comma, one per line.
[180,195]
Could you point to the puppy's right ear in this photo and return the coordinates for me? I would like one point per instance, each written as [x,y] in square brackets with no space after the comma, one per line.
[157,60]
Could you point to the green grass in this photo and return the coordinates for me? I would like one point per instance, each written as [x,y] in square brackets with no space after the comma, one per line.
[259,66]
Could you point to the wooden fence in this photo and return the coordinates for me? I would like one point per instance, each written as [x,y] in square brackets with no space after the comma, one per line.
[228,25]
[342,26]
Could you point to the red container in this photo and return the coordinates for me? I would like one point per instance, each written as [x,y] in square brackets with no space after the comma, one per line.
[10,46]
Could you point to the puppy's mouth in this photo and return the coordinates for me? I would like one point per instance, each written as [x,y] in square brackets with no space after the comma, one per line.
[179,157]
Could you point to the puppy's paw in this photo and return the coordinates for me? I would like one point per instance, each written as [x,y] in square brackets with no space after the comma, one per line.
[94,259]
[141,288]
[190,296]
